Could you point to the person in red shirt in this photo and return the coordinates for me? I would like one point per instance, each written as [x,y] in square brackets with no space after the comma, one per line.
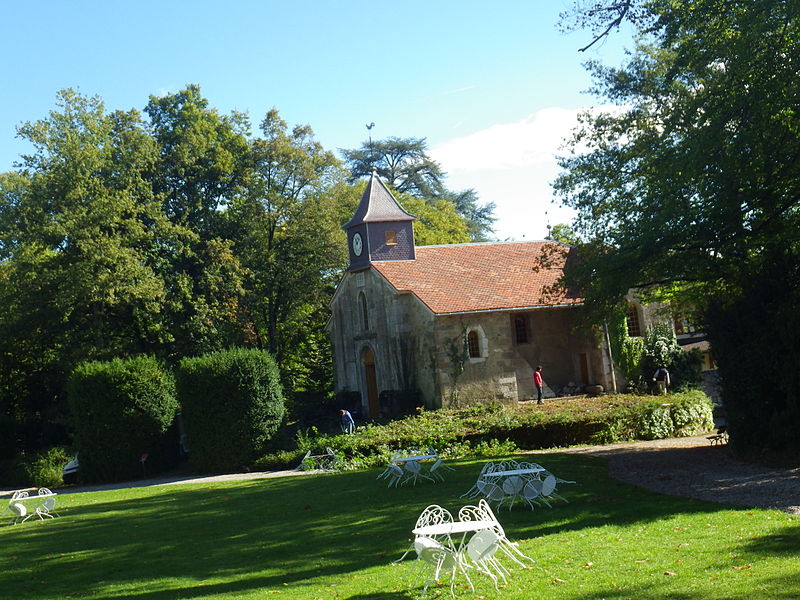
[537,381]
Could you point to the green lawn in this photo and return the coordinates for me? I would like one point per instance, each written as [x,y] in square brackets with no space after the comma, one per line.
[334,536]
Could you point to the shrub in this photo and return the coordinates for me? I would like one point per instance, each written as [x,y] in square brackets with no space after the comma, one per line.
[655,421]
[232,405]
[45,468]
[692,413]
[685,370]
[495,430]
[629,358]
[122,409]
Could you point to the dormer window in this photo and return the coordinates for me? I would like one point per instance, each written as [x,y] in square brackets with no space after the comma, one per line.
[391,237]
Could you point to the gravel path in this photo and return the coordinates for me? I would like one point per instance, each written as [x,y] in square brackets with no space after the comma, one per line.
[693,468]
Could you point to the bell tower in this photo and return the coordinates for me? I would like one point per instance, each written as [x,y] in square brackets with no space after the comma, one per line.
[380,229]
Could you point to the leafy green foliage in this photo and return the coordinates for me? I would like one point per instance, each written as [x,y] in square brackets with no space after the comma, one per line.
[692,184]
[438,221]
[561,232]
[286,232]
[403,163]
[232,404]
[46,467]
[485,430]
[122,410]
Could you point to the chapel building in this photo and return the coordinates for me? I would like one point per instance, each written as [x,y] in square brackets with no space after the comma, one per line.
[455,324]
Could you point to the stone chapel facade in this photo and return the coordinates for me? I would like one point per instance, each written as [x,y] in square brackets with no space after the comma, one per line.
[456,323]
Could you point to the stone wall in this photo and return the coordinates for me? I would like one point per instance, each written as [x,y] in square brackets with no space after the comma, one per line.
[398,333]
[504,371]
[411,348]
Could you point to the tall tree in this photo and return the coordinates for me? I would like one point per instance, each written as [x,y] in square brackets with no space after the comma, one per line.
[561,232]
[203,161]
[286,230]
[479,217]
[404,164]
[694,188]
[77,224]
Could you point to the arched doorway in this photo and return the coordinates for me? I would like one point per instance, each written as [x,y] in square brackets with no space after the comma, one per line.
[372,382]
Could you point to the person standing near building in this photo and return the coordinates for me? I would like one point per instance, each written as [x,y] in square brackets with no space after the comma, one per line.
[537,381]
[661,377]
[348,424]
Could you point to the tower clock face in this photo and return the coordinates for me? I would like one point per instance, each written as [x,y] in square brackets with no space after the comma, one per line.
[358,244]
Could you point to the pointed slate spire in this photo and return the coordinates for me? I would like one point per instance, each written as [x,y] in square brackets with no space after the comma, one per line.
[377,204]
[380,228]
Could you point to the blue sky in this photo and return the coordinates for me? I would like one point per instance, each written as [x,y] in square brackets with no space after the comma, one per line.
[492,86]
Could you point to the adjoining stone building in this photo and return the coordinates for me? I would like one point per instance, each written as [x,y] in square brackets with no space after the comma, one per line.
[458,323]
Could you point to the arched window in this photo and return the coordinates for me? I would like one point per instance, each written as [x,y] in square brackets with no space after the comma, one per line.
[362,299]
[473,344]
[632,320]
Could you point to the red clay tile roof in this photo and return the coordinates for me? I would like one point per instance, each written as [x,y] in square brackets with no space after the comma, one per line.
[478,277]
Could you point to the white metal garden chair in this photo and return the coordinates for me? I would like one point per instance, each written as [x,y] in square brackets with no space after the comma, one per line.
[532,493]
[491,492]
[480,552]
[474,492]
[512,490]
[549,489]
[436,559]
[413,473]
[483,512]
[47,505]
[393,474]
[436,469]
[432,515]
[19,512]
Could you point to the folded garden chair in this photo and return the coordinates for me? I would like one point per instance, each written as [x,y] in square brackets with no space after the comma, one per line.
[393,474]
[480,552]
[436,469]
[483,512]
[413,473]
[47,505]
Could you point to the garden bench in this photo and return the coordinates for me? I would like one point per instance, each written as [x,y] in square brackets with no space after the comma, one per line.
[721,437]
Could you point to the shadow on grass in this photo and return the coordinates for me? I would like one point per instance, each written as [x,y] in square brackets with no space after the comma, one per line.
[231,538]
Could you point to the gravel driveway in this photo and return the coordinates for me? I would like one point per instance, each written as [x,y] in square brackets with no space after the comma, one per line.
[693,468]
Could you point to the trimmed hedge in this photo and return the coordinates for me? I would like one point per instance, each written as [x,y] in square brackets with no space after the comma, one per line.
[492,428]
[232,404]
[121,410]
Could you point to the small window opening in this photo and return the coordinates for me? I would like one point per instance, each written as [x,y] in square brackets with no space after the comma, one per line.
[391,238]
[473,344]
[632,319]
[364,314]
[521,329]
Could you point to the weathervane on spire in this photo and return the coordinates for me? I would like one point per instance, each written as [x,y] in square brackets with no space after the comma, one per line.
[549,228]
[369,133]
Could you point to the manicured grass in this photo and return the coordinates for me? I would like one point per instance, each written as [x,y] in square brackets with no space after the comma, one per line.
[334,536]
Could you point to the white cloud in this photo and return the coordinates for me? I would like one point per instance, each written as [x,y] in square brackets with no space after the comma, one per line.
[531,141]
[513,165]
